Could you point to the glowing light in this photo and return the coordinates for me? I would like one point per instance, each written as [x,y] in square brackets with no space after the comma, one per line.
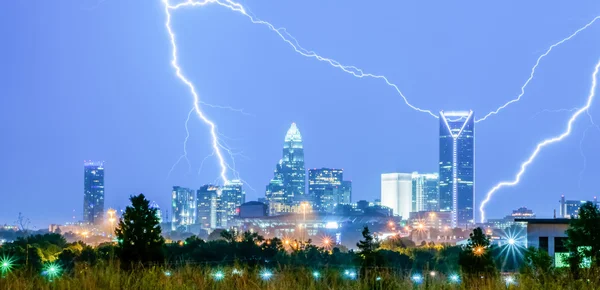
[266,275]
[432,273]
[332,225]
[454,278]
[218,275]
[518,98]
[168,273]
[417,278]
[509,280]
[543,144]
[51,270]
[350,274]
[6,264]
[237,272]
[378,278]
[479,250]
[316,274]
[511,241]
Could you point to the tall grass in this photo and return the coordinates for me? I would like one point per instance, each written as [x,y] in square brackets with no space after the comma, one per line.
[111,277]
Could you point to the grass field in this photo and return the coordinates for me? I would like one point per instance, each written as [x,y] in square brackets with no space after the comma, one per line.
[194,277]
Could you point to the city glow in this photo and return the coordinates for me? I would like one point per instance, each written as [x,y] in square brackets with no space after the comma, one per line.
[543,144]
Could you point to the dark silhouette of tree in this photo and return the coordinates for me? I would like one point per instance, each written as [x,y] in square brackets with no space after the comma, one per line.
[139,233]
[584,237]
[368,252]
[476,258]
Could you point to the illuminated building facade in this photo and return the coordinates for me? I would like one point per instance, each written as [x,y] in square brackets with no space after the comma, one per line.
[457,168]
[425,192]
[232,197]
[211,210]
[570,208]
[290,174]
[93,192]
[183,207]
[396,193]
[327,189]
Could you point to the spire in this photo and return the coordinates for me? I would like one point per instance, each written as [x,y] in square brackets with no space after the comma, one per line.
[293,134]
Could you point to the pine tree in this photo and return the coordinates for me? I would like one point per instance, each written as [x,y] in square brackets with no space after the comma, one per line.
[368,252]
[139,234]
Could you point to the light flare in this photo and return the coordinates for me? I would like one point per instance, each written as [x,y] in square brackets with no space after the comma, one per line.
[543,144]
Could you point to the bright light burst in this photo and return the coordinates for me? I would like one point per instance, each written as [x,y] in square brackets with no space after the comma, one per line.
[512,244]
[266,275]
[350,274]
[218,275]
[316,274]
[454,278]
[6,264]
[543,144]
[51,270]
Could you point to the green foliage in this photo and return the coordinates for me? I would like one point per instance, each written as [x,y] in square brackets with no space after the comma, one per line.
[139,234]
[584,237]
[537,265]
[475,258]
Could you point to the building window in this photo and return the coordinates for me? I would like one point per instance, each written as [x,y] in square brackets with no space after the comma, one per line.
[543,242]
[559,245]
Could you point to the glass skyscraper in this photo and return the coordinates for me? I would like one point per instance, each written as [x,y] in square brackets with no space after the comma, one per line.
[93,192]
[183,207]
[211,212]
[457,168]
[232,196]
[325,188]
[290,170]
[426,194]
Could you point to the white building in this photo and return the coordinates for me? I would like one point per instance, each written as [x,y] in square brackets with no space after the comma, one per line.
[396,193]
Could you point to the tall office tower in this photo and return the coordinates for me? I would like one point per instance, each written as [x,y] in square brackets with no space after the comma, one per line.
[275,197]
[93,192]
[183,207]
[457,168]
[232,196]
[396,193]
[425,196]
[290,169]
[325,188]
[346,197]
[211,209]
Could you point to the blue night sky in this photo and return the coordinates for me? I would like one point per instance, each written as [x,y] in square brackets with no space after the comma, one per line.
[92,79]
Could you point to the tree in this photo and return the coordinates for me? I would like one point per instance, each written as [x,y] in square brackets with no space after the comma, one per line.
[475,258]
[139,233]
[368,255]
[538,264]
[584,237]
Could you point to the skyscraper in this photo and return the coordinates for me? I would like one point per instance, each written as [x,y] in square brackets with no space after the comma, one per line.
[346,197]
[93,192]
[211,212]
[290,169]
[275,197]
[457,168]
[425,195]
[183,207]
[232,196]
[396,193]
[325,188]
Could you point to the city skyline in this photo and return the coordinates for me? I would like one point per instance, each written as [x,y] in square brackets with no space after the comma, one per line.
[130,110]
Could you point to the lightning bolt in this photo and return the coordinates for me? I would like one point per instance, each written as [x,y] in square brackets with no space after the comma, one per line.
[213,130]
[518,98]
[543,144]
[290,40]
[583,155]
[553,111]
[184,155]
